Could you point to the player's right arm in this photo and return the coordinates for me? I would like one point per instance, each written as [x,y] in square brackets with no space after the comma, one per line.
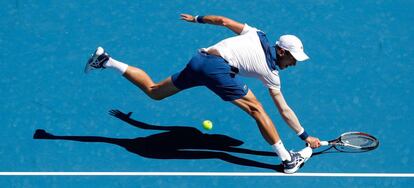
[290,117]
[217,20]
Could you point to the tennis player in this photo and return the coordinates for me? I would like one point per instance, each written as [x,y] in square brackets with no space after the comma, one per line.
[218,68]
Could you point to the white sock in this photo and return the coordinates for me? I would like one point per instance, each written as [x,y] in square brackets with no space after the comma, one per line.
[281,151]
[112,63]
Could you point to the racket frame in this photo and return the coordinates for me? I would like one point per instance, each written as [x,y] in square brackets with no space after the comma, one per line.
[338,142]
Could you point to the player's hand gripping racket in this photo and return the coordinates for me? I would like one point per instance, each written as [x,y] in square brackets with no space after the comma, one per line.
[353,142]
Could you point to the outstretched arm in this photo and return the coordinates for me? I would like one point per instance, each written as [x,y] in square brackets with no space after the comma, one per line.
[216,20]
[127,118]
[290,117]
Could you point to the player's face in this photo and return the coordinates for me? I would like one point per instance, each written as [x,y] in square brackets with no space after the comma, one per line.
[285,59]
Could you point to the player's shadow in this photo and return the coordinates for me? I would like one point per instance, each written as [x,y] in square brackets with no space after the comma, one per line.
[328,150]
[175,142]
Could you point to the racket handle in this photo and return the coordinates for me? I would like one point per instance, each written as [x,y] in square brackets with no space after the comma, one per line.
[324,143]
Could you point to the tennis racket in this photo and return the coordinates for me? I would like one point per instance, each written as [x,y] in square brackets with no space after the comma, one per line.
[353,142]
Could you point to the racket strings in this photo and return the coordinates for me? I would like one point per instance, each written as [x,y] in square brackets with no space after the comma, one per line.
[357,142]
[360,141]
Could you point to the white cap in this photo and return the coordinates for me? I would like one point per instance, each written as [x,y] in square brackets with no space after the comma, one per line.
[292,44]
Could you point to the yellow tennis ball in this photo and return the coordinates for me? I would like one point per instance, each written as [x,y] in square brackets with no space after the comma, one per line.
[207,125]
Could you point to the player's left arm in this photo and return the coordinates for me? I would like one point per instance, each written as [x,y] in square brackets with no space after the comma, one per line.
[290,117]
[216,20]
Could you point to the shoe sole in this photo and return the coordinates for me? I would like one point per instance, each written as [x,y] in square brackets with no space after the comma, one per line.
[293,170]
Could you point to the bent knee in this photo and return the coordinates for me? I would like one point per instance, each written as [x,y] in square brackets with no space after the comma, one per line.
[156,95]
[256,113]
[162,90]
[255,109]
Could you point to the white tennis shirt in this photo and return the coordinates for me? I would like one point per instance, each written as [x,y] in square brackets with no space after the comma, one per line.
[245,52]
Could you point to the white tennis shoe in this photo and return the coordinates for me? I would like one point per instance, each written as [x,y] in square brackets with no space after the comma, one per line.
[297,160]
[97,60]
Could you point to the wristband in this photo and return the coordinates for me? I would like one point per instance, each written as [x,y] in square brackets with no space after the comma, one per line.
[199,19]
[304,135]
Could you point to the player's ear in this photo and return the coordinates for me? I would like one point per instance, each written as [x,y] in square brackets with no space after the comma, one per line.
[280,51]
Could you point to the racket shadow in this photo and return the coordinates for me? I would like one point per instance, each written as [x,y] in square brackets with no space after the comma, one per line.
[328,150]
[174,142]
[332,150]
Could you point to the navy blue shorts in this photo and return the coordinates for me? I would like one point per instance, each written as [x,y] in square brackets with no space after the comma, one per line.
[214,73]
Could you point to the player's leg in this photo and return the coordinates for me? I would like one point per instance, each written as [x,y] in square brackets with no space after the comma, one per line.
[253,107]
[100,59]
[156,91]
[291,160]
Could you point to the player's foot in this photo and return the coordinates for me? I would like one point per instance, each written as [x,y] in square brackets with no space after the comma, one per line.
[298,159]
[97,59]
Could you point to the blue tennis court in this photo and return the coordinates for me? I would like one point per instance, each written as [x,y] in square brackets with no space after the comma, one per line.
[358,78]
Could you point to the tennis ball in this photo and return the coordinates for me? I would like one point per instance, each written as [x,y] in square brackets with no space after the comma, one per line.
[207,125]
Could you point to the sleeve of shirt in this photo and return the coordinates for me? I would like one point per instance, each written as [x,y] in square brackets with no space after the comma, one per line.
[271,81]
[247,29]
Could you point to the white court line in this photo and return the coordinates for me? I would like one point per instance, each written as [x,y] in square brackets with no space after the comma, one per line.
[390,175]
